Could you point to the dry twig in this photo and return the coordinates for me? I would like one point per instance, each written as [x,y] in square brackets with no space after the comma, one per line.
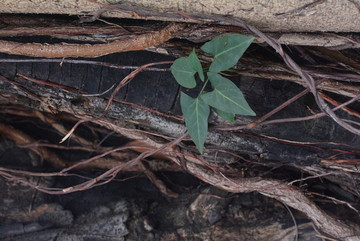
[138,42]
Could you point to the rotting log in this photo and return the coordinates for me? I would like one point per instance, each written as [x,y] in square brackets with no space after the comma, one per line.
[222,146]
[121,117]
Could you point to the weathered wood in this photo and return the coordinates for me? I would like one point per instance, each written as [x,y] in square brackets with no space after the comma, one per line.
[299,16]
[202,214]
[122,115]
[51,99]
[303,19]
[290,145]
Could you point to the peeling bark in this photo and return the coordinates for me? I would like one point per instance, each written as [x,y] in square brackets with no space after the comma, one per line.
[279,190]
[138,42]
[157,135]
[300,16]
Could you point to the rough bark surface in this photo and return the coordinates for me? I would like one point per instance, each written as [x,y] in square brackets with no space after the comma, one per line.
[309,165]
[272,16]
[250,144]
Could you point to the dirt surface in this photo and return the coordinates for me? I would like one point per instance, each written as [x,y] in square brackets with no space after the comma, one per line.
[272,16]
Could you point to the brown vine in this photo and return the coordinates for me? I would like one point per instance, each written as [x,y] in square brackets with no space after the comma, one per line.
[63,50]
[195,165]
[291,196]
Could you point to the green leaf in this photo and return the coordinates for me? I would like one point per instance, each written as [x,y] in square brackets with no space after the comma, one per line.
[226,96]
[196,114]
[226,50]
[184,70]
[230,117]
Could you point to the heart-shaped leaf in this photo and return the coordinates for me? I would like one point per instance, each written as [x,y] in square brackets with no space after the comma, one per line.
[184,70]
[226,116]
[230,117]
[196,113]
[226,96]
[226,50]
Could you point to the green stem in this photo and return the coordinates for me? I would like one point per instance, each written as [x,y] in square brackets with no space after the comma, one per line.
[202,89]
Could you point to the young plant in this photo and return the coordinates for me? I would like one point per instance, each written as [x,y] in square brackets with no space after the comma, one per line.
[225,99]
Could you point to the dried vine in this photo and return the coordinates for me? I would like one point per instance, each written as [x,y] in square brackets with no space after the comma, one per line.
[138,42]
[185,158]
[289,195]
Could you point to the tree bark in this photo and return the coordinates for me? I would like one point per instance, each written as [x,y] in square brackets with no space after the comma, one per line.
[317,147]
[289,21]
[272,16]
